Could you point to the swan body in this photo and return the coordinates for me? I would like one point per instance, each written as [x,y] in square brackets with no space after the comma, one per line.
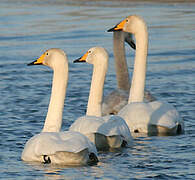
[105,132]
[51,145]
[65,148]
[153,118]
[108,131]
[114,101]
[118,98]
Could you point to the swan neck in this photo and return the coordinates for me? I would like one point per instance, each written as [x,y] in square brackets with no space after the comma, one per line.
[53,120]
[122,74]
[139,72]
[96,90]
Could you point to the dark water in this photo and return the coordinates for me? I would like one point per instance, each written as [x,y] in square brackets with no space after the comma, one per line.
[27,28]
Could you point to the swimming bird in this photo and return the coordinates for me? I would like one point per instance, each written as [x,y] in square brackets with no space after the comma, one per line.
[51,145]
[153,118]
[118,98]
[108,131]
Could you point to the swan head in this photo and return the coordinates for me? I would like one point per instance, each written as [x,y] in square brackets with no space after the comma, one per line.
[53,58]
[95,56]
[131,24]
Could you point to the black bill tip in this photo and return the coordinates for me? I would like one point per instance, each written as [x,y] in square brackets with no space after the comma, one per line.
[30,64]
[79,60]
[114,29]
[111,30]
[132,44]
[34,63]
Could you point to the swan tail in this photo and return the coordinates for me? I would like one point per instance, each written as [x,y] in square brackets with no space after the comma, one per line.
[116,141]
[46,159]
[69,158]
[93,160]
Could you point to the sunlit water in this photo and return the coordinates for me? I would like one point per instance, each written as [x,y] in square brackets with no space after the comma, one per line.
[27,28]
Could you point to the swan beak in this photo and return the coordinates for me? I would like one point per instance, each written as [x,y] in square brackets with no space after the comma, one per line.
[131,43]
[39,61]
[81,59]
[118,27]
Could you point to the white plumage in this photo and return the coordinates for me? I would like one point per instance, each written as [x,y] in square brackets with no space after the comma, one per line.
[118,98]
[153,118]
[52,146]
[109,126]
[67,148]
[108,131]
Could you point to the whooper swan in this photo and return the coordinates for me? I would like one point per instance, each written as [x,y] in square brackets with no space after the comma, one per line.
[51,145]
[153,118]
[108,131]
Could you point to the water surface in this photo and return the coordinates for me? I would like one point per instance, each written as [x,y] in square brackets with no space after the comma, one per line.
[28,28]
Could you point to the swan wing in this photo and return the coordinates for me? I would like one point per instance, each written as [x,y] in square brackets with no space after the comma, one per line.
[115,125]
[137,116]
[88,124]
[114,101]
[164,114]
[107,125]
[117,99]
[48,143]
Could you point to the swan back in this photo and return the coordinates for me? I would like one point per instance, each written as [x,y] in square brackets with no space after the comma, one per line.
[47,143]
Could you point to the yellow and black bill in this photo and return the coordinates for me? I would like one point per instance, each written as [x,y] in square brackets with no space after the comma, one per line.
[131,43]
[118,27]
[39,61]
[81,59]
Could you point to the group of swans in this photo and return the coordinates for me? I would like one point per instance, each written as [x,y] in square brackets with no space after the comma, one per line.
[94,131]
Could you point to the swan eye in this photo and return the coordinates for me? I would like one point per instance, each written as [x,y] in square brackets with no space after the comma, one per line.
[47,54]
[89,51]
[127,20]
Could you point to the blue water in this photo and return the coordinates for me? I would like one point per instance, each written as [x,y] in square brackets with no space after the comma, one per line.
[28,28]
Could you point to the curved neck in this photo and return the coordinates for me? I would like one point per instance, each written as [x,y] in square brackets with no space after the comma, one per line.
[53,120]
[96,90]
[138,80]
[122,73]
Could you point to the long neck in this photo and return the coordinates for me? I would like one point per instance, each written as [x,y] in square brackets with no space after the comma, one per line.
[139,73]
[96,91]
[53,120]
[122,73]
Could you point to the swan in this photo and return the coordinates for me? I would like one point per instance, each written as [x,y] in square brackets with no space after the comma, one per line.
[105,132]
[118,98]
[152,118]
[51,145]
